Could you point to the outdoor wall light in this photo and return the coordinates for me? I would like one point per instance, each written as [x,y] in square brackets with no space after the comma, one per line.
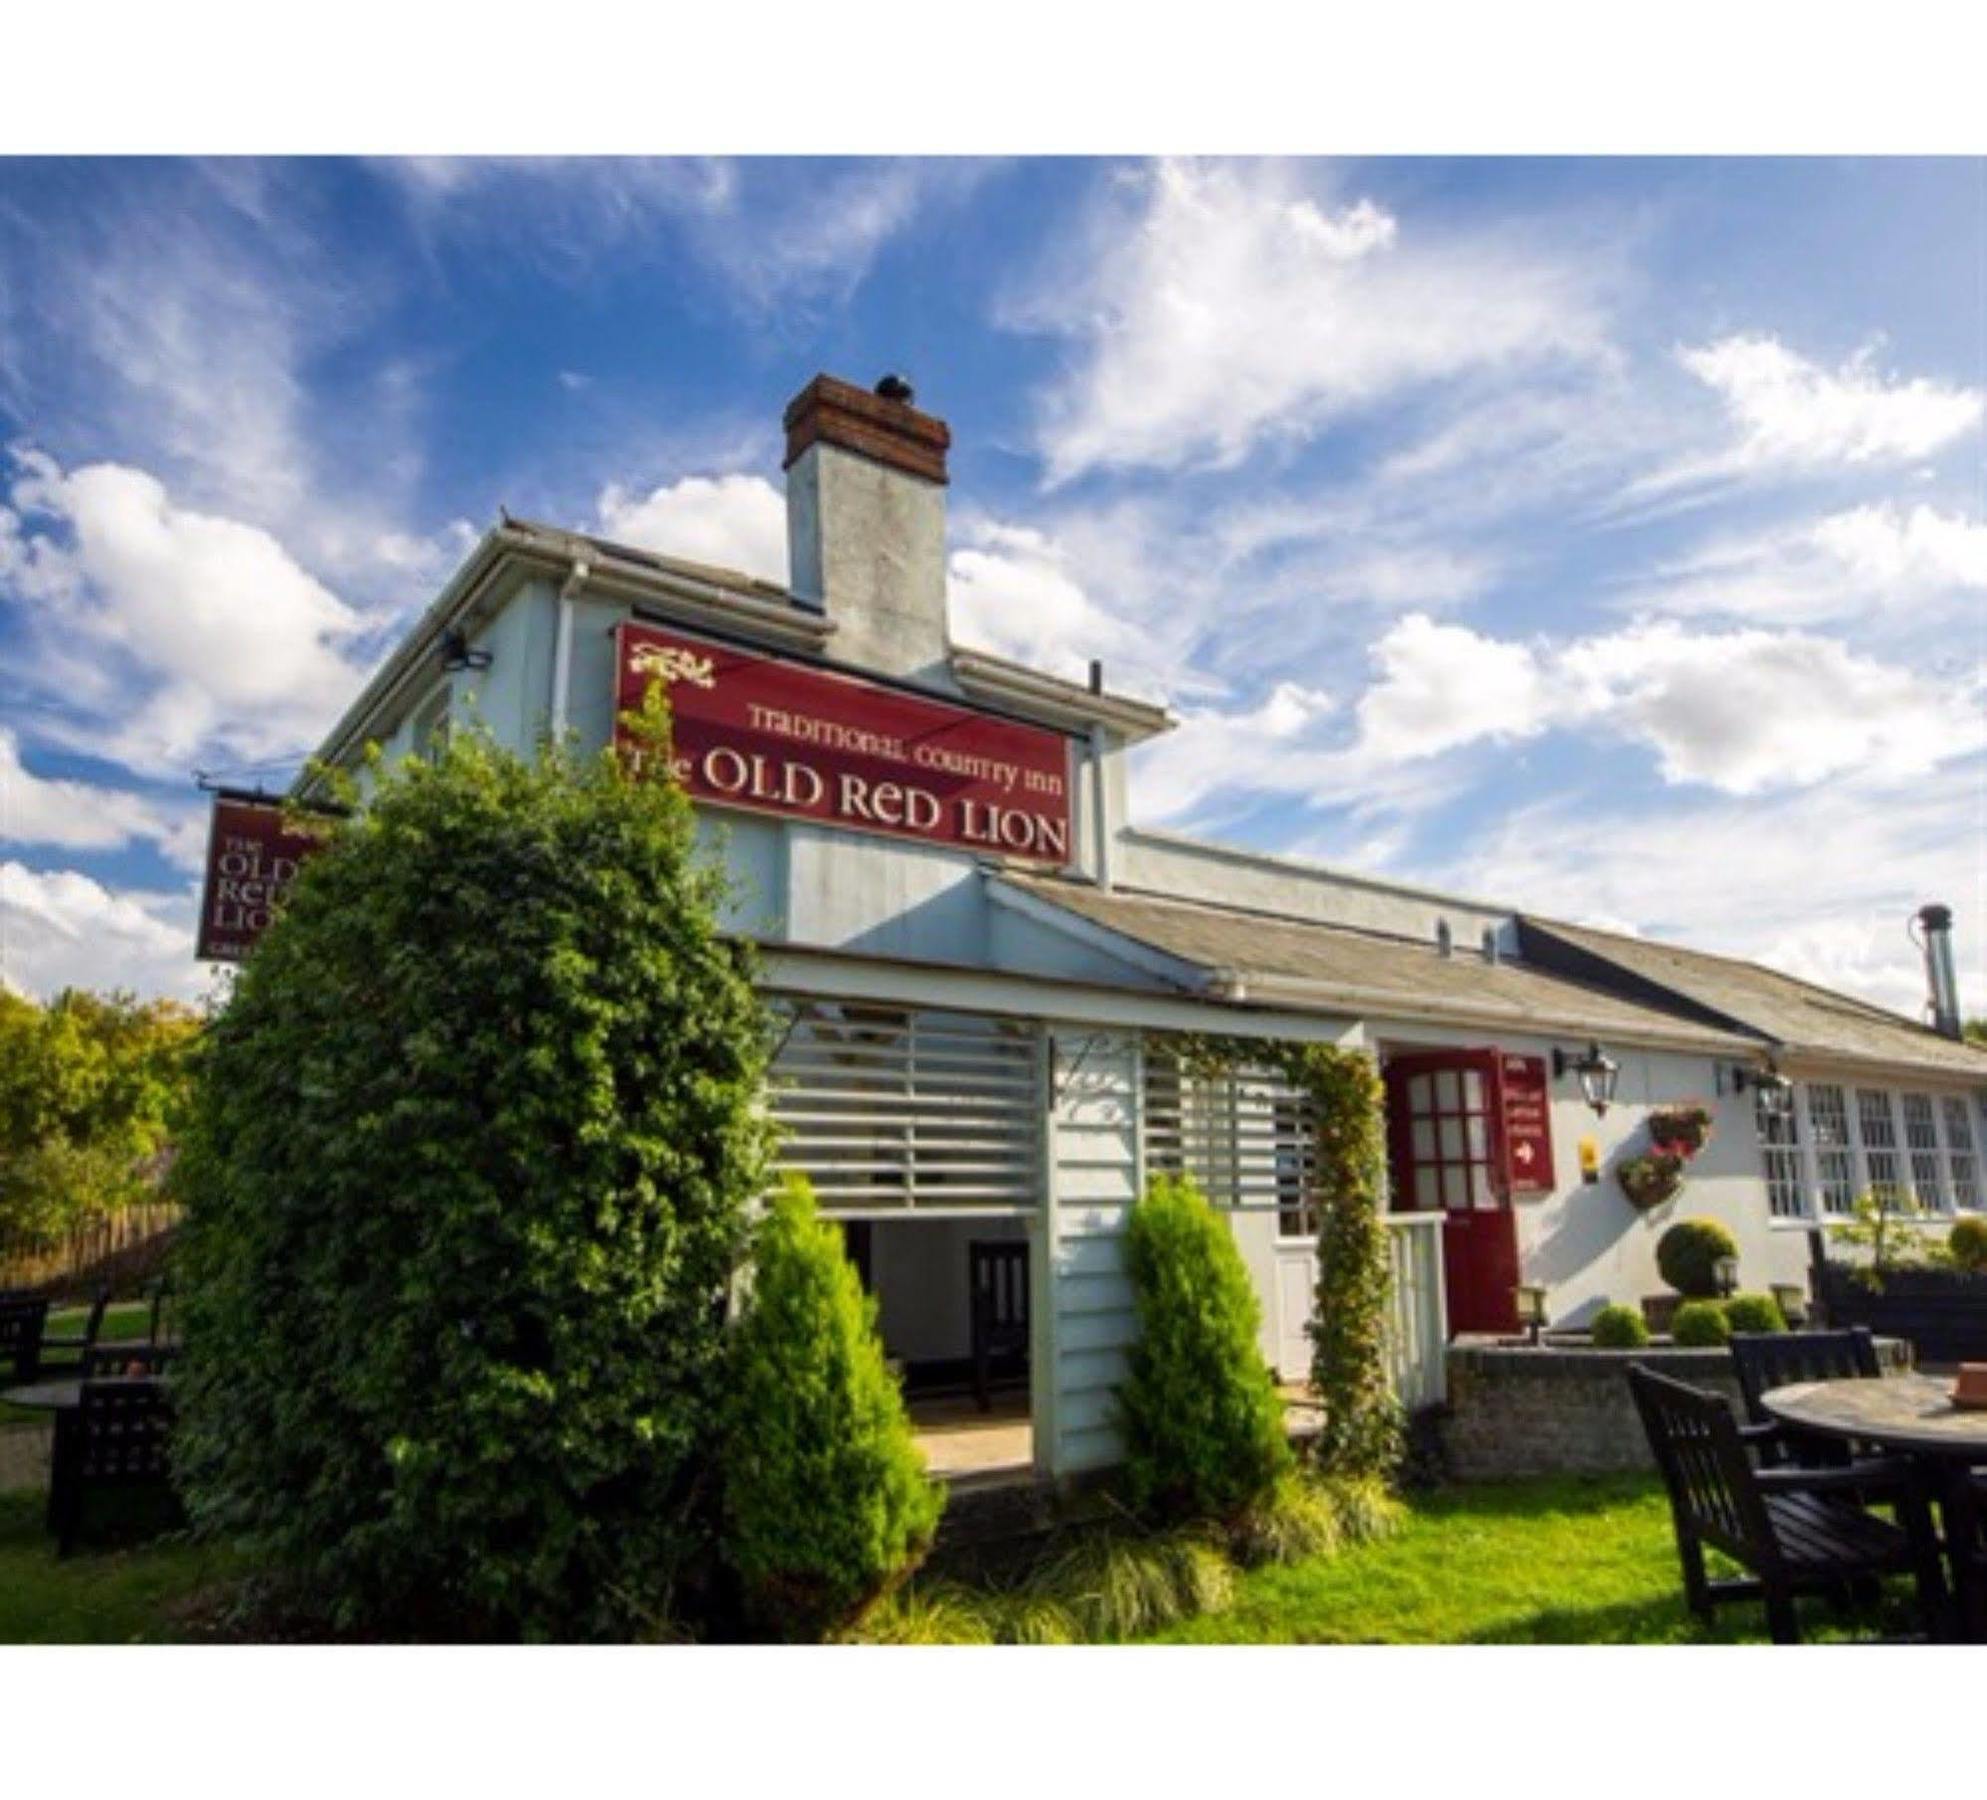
[1775,1091]
[1726,1271]
[1792,1300]
[457,655]
[1598,1072]
[1531,1308]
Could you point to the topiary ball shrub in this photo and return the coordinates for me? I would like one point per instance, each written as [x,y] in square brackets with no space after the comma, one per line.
[1687,1256]
[826,1503]
[1204,1436]
[1754,1312]
[1967,1241]
[1700,1325]
[1619,1328]
[466,1179]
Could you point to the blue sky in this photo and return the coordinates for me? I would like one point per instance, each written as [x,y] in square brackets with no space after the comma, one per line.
[1605,537]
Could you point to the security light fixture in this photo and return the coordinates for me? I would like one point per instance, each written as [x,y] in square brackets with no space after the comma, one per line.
[1598,1073]
[1774,1091]
[457,654]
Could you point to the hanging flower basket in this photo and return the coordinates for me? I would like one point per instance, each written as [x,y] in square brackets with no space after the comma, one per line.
[1651,1180]
[1680,1131]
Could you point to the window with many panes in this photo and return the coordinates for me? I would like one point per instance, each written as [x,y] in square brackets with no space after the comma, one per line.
[1835,1160]
[1780,1141]
[1878,1125]
[1960,1152]
[1921,1139]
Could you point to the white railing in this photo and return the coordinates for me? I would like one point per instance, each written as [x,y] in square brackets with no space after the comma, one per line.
[1417,1312]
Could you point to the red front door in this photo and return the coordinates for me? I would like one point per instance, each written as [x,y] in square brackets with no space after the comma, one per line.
[1445,1134]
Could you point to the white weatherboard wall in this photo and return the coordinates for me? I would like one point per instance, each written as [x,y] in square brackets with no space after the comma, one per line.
[1094,1152]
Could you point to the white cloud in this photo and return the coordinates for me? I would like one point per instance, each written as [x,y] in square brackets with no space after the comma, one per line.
[1750,711]
[1865,564]
[1788,412]
[1444,685]
[1820,883]
[61,929]
[734,522]
[172,635]
[83,815]
[1229,303]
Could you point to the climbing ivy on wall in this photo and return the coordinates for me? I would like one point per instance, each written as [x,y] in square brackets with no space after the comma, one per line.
[1362,1432]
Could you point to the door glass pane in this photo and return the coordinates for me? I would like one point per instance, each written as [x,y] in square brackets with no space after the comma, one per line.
[1424,1140]
[1476,1138]
[1480,1188]
[1420,1093]
[1452,1140]
[1449,1091]
[1473,1089]
[1427,1187]
[1455,1191]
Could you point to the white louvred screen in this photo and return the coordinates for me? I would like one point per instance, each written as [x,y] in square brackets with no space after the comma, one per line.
[1244,1137]
[887,1108]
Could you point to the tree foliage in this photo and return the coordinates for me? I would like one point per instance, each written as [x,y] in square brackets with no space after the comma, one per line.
[91,1086]
[467,1175]
[1204,1434]
[826,1503]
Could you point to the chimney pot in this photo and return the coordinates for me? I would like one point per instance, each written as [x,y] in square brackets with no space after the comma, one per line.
[895,387]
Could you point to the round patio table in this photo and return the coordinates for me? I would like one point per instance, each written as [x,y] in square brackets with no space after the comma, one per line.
[1909,1415]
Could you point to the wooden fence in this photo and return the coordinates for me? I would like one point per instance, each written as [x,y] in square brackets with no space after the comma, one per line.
[90,1252]
[1417,1313]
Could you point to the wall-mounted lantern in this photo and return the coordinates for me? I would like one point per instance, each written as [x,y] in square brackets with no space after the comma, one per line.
[1725,1271]
[457,654]
[1774,1091]
[1598,1073]
[1531,1308]
[1792,1299]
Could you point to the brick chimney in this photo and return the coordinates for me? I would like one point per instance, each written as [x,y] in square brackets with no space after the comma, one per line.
[866,523]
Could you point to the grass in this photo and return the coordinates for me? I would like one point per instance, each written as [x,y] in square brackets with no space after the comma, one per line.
[126,1319]
[1537,1562]
[1542,1562]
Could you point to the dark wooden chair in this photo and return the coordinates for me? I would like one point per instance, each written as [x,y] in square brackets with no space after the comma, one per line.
[23,1322]
[1799,1530]
[118,1436]
[1765,1360]
[997,1273]
[109,1362]
[85,1339]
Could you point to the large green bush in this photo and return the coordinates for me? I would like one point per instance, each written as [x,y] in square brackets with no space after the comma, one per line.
[826,1503]
[468,1169]
[1619,1328]
[1754,1312]
[1687,1255]
[1203,1421]
[1700,1325]
[1966,1243]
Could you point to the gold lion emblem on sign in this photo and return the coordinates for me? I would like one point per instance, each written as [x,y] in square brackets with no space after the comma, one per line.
[674,665]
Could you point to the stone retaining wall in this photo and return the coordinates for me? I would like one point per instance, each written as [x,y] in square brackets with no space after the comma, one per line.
[1515,1412]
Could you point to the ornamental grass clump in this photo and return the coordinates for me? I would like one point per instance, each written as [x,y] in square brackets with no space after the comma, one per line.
[1203,1421]
[466,1176]
[1619,1328]
[826,1503]
[1700,1325]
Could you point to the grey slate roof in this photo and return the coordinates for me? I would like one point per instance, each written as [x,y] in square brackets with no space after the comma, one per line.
[1794,1015]
[1368,971]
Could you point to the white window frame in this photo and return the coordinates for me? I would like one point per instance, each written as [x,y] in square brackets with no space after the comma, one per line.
[1942,1203]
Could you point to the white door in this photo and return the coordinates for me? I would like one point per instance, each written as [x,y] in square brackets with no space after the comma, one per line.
[1296,1293]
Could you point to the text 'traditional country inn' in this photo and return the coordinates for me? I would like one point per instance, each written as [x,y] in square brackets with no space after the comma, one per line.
[985,967]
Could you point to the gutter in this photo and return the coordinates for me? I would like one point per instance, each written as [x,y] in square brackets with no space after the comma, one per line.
[562,647]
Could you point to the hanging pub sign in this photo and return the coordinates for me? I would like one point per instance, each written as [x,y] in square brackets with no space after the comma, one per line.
[774,736]
[252,857]
[1527,1124]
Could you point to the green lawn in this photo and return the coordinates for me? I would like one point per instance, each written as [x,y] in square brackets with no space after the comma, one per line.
[1559,1562]
[1537,1562]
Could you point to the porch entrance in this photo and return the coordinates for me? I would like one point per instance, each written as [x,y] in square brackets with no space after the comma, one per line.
[1444,1135]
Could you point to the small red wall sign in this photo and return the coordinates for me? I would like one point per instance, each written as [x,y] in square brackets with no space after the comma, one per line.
[774,736]
[251,861]
[1527,1124]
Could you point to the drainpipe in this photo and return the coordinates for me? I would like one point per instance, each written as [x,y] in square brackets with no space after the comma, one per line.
[562,645]
[1105,837]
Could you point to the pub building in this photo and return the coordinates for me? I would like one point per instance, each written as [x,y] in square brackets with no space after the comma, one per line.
[983,967]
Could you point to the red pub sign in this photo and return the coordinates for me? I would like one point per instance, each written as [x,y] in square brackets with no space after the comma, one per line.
[1527,1123]
[251,861]
[775,736]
